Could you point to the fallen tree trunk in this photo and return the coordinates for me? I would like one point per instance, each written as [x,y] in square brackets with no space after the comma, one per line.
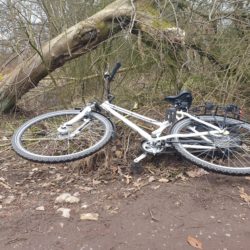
[139,15]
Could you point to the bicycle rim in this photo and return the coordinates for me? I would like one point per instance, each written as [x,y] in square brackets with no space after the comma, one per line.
[227,153]
[39,140]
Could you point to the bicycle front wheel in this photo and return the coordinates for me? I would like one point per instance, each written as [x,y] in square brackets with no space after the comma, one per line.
[227,153]
[39,140]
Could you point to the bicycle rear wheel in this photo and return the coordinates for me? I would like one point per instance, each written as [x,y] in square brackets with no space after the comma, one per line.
[227,153]
[38,139]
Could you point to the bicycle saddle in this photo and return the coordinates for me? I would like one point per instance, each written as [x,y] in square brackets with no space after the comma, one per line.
[183,99]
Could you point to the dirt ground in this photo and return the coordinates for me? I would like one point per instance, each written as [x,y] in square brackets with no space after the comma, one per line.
[172,205]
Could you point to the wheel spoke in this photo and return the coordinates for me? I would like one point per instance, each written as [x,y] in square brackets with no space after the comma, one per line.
[40,137]
[216,152]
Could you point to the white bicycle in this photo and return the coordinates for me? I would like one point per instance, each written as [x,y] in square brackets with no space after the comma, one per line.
[213,142]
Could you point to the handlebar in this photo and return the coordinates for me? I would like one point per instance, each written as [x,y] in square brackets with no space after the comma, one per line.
[114,71]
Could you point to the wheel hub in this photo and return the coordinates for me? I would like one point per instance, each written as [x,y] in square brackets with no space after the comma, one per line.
[227,142]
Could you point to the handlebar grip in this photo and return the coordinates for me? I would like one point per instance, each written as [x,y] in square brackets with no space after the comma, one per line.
[114,71]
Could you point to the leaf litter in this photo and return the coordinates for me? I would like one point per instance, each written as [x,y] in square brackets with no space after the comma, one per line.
[244,195]
[194,242]
[89,216]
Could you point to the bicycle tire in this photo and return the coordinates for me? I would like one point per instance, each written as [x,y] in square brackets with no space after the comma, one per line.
[19,140]
[229,151]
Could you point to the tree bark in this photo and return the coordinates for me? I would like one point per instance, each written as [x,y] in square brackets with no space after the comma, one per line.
[83,37]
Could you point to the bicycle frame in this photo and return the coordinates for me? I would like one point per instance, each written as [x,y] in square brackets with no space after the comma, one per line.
[216,142]
[155,136]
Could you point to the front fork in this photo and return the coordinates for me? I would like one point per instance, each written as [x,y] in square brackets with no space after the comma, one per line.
[64,129]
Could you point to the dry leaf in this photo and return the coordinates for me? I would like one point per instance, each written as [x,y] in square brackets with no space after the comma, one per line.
[151,179]
[84,205]
[128,178]
[5,185]
[137,183]
[243,195]
[163,180]
[194,242]
[118,154]
[67,198]
[126,194]
[247,177]
[181,176]
[155,187]
[41,208]
[112,210]
[196,173]
[135,105]
[87,189]
[96,182]
[89,216]
[114,169]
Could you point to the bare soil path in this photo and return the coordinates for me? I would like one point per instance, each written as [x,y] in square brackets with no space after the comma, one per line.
[157,216]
